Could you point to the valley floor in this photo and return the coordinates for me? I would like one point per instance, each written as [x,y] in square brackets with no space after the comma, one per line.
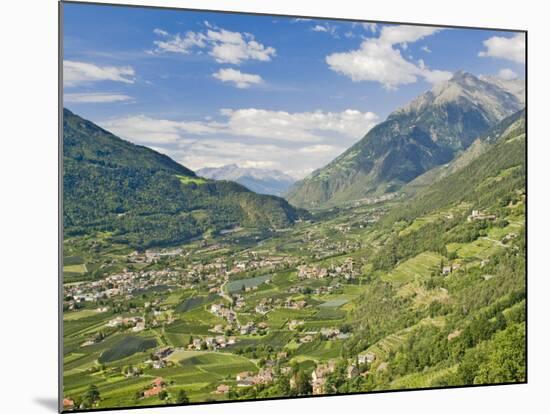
[345,302]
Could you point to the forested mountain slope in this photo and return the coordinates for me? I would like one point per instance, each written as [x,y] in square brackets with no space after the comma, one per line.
[145,198]
[428,132]
[447,299]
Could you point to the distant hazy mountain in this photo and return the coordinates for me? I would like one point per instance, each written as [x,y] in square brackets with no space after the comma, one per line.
[262,181]
[144,198]
[428,132]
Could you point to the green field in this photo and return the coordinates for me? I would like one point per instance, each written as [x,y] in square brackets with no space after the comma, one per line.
[237,285]
[127,347]
[417,268]
[195,302]
[75,268]
[191,180]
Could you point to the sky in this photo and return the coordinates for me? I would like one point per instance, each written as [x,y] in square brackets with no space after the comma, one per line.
[211,89]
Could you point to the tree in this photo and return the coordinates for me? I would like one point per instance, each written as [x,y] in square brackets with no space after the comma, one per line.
[92,395]
[303,386]
[182,397]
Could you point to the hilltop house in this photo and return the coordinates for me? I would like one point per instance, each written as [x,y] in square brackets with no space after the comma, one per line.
[366,358]
[479,215]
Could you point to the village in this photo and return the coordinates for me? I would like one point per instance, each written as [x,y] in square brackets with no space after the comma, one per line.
[260,312]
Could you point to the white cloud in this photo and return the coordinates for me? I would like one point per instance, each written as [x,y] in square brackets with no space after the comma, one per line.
[216,153]
[300,19]
[142,129]
[233,47]
[378,60]
[510,48]
[370,27]
[317,149]
[224,45]
[435,76]
[178,44]
[298,126]
[160,32]
[326,28]
[293,142]
[240,79]
[77,73]
[316,126]
[95,97]
[426,49]
[507,74]
[404,34]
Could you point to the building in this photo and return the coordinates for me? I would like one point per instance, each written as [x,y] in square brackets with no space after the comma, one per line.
[319,377]
[264,376]
[366,358]
[222,389]
[243,375]
[68,404]
[352,371]
[156,387]
[479,215]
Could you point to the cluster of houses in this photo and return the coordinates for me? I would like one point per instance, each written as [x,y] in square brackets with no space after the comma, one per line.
[135,323]
[219,309]
[212,343]
[249,328]
[291,303]
[125,283]
[319,377]
[448,269]
[333,334]
[271,262]
[480,215]
[158,359]
[150,256]
[247,378]
[345,270]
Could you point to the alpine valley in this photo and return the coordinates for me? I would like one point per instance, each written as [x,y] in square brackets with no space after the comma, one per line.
[398,265]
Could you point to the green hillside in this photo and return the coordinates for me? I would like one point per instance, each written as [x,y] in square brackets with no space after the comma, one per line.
[450,306]
[145,198]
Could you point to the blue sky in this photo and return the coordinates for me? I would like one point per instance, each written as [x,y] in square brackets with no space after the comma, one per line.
[210,89]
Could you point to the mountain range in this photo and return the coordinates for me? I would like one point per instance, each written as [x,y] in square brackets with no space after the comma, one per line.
[429,132]
[259,180]
[143,198]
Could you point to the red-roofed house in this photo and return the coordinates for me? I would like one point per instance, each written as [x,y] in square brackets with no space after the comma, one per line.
[68,403]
